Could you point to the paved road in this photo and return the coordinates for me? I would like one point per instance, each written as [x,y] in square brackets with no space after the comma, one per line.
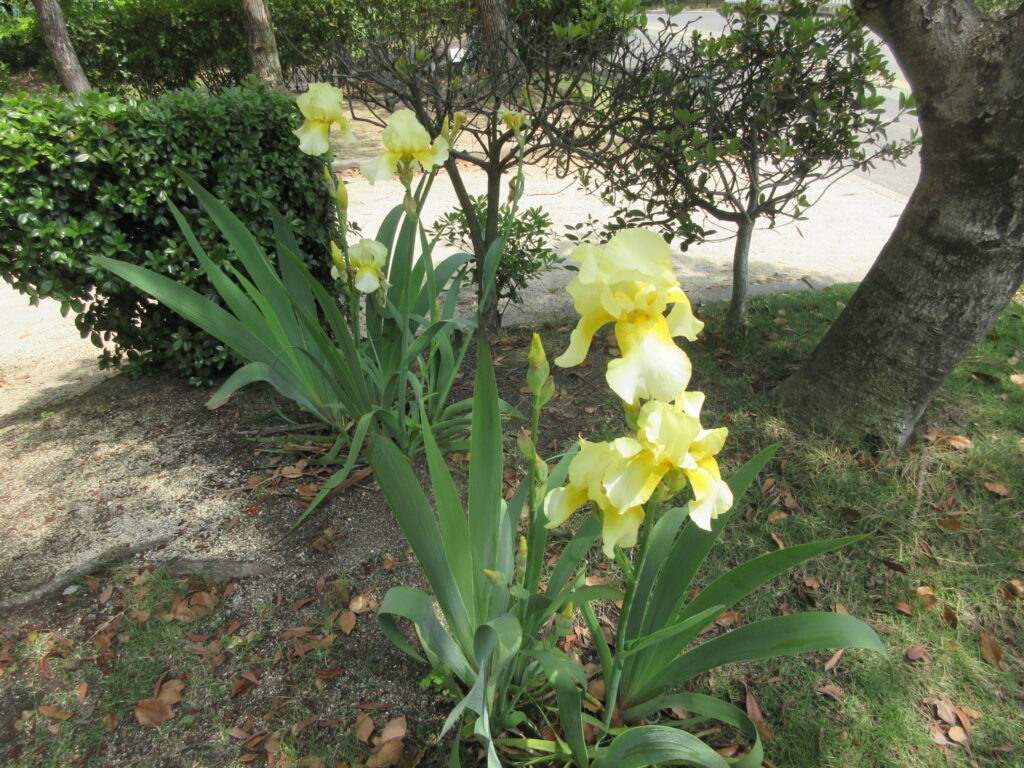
[901,179]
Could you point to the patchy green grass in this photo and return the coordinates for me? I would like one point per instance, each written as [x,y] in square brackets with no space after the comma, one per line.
[935,575]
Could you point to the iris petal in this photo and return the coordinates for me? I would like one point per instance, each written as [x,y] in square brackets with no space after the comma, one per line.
[651,366]
[562,502]
[381,168]
[620,528]
[579,341]
[313,137]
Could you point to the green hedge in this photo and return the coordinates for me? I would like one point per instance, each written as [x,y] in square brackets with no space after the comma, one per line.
[91,175]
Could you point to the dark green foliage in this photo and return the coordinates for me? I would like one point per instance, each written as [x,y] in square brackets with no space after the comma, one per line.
[92,175]
[153,46]
[598,25]
[526,255]
[21,45]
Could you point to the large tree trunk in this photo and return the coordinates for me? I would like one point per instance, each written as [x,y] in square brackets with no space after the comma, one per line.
[55,35]
[496,28]
[266,65]
[956,256]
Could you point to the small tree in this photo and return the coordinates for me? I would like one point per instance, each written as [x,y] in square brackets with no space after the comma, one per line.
[739,126]
[452,71]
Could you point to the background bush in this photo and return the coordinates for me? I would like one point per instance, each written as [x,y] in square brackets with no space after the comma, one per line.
[91,175]
[21,45]
[148,47]
[527,253]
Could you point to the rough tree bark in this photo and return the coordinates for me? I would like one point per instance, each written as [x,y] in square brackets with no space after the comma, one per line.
[55,35]
[266,65]
[956,256]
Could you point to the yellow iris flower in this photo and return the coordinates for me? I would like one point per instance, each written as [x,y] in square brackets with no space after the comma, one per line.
[630,282]
[587,472]
[621,476]
[407,144]
[321,105]
[515,121]
[367,259]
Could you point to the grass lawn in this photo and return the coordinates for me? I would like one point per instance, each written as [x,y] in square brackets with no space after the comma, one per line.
[939,576]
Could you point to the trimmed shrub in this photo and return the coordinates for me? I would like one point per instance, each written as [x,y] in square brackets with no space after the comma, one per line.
[91,175]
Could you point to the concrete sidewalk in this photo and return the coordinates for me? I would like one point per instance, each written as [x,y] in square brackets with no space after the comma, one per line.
[843,233]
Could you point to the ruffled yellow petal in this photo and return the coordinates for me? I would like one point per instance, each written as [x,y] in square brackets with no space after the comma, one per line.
[322,102]
[313,137]
[708,443]
[681,320]
[368,253]
[632,482]
[711,495]
[404,133]
[367,280]
[381,168]
[620,528]
[642,256]
[434,155]
[691,402]
[579,341]
[346,131]
[651,366]
[562,502]
[367,258]
[667,431]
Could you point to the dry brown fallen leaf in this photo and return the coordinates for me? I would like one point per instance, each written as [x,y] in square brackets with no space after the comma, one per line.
[918,652]
[776,515]
[904,608]
[950,523]
[833,692]
[834,661]
[1018,379]
[347,622]
[926,596]
[393,729]
[945,711]
[936,734]
[389,754]
[991,649]
[957,734]
[364,727]
[153,712]
[956,442]
[54,712]
[999,489]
